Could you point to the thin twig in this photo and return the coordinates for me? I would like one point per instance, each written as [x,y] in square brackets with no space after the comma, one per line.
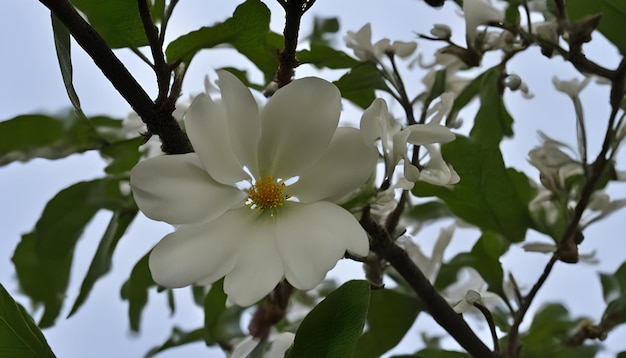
[492,326]
[161,69]
[436,305]
[158,121]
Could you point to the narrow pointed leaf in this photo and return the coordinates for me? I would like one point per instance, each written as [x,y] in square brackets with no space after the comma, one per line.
[43,259]
[178,338]
[19,335]
[135,291]
[101,263]
[64,55]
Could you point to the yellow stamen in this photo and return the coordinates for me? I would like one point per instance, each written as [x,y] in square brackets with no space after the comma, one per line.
[266,193]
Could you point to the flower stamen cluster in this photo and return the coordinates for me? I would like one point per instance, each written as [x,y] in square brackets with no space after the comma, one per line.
[267,193]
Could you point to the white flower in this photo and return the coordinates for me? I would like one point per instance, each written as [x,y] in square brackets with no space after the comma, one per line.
[441,31]
[589,258]
[377,123]
[279,344]
[479,12]
[238,212]
[361,44]
[429,266]
[554,165]
[437,171]
[469,289]
[572,87]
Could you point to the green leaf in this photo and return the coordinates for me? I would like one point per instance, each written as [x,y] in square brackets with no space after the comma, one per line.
[436,353]
[43,258]
[19,335]
[429,211]
[122,155]
[612,22]
[325,56]
[333,327]
[117,21]
[321,28]
[614,285]
[484,257]
[101,263]
[550,327]
[487,195]
[390,316]
[178,338]
[64,55]
[221,324]
[248,31]
[493,122]
[40,136]
[359,84]
[135,291]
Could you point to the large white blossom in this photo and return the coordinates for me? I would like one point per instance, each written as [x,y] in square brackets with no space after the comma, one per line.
[254,203]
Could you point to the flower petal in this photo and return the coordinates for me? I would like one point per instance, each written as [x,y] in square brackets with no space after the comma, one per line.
[311,238]
[347,164]
[259,268]
[207,126]
[429,133]
[199,253]
[242,112]
[176,189]
[297,125]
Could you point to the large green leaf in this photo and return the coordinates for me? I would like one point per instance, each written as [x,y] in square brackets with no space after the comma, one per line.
[43,258]
[613,17]
[40,136]
[493,122]
[390,316]
[19,335]
[488,195]
[117,21]
[135,291]
[248,31]
[359,84]
[101,263]
[333,327]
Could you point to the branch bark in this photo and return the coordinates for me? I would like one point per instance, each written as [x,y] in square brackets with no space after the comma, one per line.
[159,120]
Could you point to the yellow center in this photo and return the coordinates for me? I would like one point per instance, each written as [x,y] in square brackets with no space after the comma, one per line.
[266,193]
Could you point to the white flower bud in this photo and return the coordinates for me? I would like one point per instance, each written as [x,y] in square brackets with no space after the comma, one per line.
[441,31]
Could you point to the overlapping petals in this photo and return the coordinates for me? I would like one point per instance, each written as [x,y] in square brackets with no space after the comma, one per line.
[293,145]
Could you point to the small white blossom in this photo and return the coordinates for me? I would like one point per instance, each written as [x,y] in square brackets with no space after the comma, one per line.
[361,44]
[469,289]
[441,31]
[589,258]
[479,12]
[572,87]
[233,199]
[429,266]
[279,344]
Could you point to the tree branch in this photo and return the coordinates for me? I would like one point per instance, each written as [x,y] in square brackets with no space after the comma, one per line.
[158,120]
[294,9]
[436,305]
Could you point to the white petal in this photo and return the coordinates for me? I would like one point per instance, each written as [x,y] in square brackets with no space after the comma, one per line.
[242,112]
[207,126]
[200,253]
[259,268]
[404,49]
[429,133]
[539,247]
[297,125]
[280,345]
[176,189]
[372,120]
[346,165]
[245,347]
[479,12]
[313,237]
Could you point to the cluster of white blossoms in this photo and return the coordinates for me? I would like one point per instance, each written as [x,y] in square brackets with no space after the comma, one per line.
[254,202]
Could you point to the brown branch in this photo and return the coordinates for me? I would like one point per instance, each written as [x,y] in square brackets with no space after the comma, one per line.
[159,121]
[294,9]
[492,326]
[271,311]
[436,305]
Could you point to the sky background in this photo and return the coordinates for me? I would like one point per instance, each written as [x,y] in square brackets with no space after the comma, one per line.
[32,84]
